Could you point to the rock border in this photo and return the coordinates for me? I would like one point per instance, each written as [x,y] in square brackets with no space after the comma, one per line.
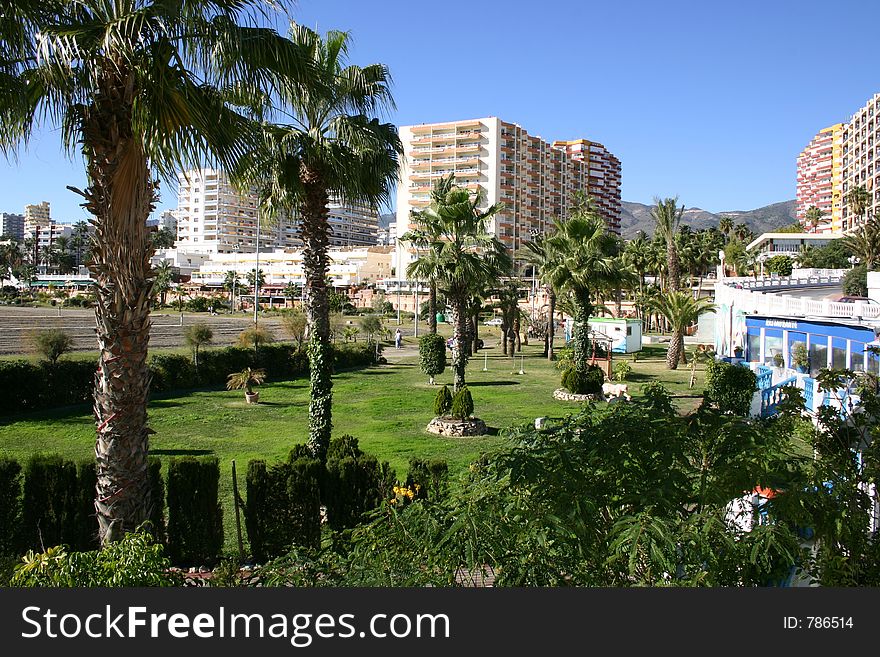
[564,395]
[443,426]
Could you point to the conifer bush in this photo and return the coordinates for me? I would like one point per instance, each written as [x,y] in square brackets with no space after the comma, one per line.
[443,402]
[462,404]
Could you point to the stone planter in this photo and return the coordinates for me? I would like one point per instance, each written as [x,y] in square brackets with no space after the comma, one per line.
[252,397]
[564,395]
[447,426]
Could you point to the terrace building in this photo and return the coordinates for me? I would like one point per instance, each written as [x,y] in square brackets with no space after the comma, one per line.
[861,160]
[819,179]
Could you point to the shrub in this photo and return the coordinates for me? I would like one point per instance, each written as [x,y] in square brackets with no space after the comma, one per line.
[800,356]
[781,265]
[584,383]
[198,305]
[443,402]
[353,484]
[49,504]
[622,370]
[26,386]
[52,343]
[462,404]
[196,335]
[430,477]
[195,519]
[10,508]
[157,499]
[255,337]
[855,281]
[247,379]
[86,537]
[134,561]
[282,507]
[432,355]
[730,387]
[172,372]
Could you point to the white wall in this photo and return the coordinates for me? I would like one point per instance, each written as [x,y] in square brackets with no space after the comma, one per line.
[874,285]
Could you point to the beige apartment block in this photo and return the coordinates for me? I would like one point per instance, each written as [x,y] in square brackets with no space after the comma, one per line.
[536,181]
[861,159]
[819,179]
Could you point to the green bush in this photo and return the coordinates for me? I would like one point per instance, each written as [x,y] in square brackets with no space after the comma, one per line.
[354,483]
[134,561]
[26,386]
[432,355]
[780,265]
[195,519]
[730,387]
[622,370]
[855,281]
[172,372]
[462,404]
[443,402]
[49,505]
[584,383]
[86,536]
[157,499]
[283,506]
[10,508]
[198,305]
[52,343]
[431,478]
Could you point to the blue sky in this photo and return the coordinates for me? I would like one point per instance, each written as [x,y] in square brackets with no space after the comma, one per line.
[706,100]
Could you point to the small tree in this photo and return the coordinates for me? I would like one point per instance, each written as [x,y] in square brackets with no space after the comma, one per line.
[247,379]
[196,335]
[371,325]
[462,404]
[443,402]
[255,337]
[781,265]
[51,344]
[294,324]
[432,355]
[855,282]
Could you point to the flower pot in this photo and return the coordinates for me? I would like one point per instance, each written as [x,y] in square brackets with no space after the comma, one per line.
[252,397]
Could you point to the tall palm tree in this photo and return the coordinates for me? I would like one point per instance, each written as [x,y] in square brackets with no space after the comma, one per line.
[681,310]
[331,146]
[857,199]
[667,218]
[582,264]
[864,242]
[725,225]
[536,253]
[141,87]
[813,216]
[79,241]
[463,253]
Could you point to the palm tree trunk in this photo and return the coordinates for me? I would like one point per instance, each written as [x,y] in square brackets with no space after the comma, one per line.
[676,347]
[581,337]
[551,327]
[120,196]
[315,236]
[475,332]
[674,267]
[459,339]
[432,308]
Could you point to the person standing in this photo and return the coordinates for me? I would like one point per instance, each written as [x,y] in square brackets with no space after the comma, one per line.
[398,339]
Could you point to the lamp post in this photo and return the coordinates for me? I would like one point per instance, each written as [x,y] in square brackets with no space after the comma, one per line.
[235,248]
[257,273]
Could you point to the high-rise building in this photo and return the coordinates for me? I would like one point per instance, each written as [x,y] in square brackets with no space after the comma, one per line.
[819,177]
[861,160]
[604,176]
[43,230]
[11,225]
[214,217]
[536,181]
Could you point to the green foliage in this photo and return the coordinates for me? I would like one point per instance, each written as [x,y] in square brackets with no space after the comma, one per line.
[294,324]
[283,506]
[135,561]
[462,404]
[255,336]
[430,479]
[855,282]
[790,228]
[49,505]
[196,335]
[354,483]
[432,354]
[336,301]
[584,383]
[10,508]
[800,356]
[86,527]
[443,402]
[52,343]
[730,387]
[781,265]
[247,379]
[26,386]
[834,255]
[622,370]
[195,519]
[199,304]
[172,372]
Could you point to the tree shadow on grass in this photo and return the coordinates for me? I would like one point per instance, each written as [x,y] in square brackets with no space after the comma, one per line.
[181,452]
[164,403]
[474,384]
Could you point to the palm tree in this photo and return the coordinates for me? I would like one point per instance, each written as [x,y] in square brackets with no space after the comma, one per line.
[857,199]
[743,233]
[332,147]
[140,87]
[79,241]
[681,310]
[582,264]
[725,225]
[231,282]
[10,259]
[667,217]
[163,277]
[864,242]
[538,255]
[464,252]
[813,216]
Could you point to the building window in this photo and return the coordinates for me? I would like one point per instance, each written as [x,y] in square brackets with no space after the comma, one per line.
[818,353]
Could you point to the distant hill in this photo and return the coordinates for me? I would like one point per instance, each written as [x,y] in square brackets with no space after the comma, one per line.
[385,219]
[637,216]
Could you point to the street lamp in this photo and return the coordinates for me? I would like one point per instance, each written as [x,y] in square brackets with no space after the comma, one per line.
[235,249]
[257,272]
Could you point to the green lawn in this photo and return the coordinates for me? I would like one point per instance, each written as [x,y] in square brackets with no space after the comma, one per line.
[386,407]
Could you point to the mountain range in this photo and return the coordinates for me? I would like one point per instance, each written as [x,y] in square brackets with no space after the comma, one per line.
[637,216]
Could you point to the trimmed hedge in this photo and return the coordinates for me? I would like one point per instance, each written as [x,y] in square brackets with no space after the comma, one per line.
[443,402]
[10,508]
[584,383]
[195,518]
[283,506]
[730,387]
[354,483]
[50,503]
[27,386]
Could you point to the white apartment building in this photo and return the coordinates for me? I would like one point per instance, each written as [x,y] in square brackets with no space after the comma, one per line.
[40,227]
[214,217]
[534,180]
[861,159]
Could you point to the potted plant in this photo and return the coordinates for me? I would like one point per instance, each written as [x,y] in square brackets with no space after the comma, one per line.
[800,357]
[737,352]
[778,360]
[247,379]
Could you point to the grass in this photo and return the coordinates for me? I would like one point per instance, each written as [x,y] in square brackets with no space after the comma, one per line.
[386,407]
